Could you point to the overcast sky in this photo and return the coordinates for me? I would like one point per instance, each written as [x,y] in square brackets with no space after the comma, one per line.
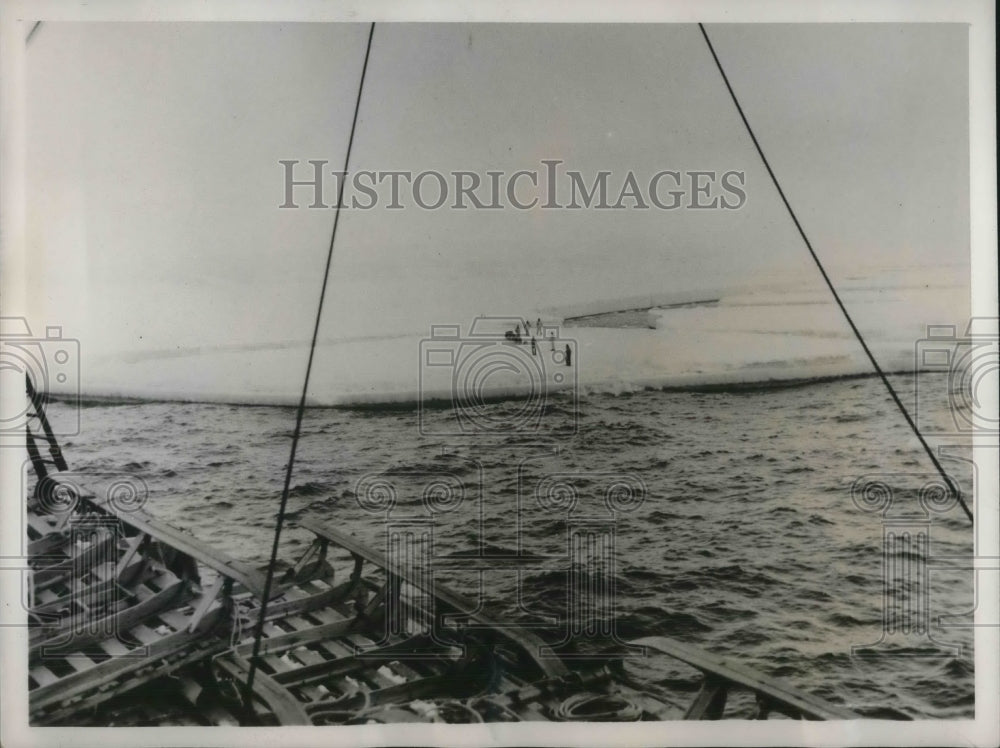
[154,182]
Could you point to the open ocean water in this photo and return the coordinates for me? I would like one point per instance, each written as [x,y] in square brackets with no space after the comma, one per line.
[741,536]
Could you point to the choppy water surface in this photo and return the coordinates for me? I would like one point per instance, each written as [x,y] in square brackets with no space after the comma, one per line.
[747,542]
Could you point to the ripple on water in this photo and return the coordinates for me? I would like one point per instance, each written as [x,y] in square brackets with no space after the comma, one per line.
[747,543]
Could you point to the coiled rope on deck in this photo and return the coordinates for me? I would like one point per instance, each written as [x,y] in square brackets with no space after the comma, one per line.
[857,333]
[597,707]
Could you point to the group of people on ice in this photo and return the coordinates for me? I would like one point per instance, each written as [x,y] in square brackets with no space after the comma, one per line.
[516,336]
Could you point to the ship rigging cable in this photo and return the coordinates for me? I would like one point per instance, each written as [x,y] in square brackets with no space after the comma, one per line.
[857,333]
[258,632]
[269,579]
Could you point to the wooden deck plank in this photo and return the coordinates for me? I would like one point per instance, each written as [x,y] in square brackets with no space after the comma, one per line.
[176,618]
[144,634]
[530,644]
[346,650]
[334,646]
[338,649]
[279,700]
[132,546]
[353,663]
[433,687]
[103,571]
[710,702]
[305,657]
[400,666]
[46,596]
[43,525]
[111,670]
[775,690]
[120,621]
[48,544]
[307,603]
[270,630]
[114,647]
[50,601]
[179,540]
[328,615]
[112,682]
[80,662]
[209,597]
[405,668]
[281,642]
[42,675]
[163,579]
[63,570]
[276,663]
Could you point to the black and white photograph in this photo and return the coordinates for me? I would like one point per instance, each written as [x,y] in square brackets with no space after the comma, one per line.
[433,374]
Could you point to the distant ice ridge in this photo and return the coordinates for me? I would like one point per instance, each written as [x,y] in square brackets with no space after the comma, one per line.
[783,332]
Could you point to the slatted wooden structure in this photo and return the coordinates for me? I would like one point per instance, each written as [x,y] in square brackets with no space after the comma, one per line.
[121,599]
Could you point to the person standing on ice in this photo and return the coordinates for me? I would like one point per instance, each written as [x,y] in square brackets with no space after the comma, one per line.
[552,339]
[533,349]
[538,325]
[569,355]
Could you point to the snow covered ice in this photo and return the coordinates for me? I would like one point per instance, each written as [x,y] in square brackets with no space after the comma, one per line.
[756,334]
